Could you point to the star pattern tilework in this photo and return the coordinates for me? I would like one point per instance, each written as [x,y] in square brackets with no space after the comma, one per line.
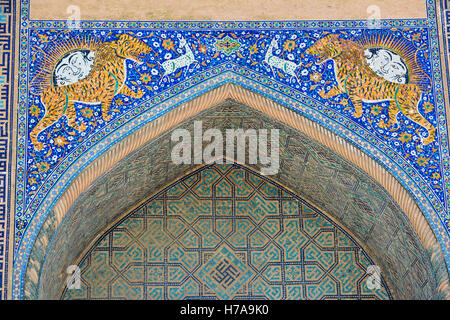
[225,232]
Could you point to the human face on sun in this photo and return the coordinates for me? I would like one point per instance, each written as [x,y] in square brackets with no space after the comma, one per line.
[74,67]
[387,65]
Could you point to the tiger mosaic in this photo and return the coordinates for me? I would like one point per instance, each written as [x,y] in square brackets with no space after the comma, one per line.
[356,79]
[106,79]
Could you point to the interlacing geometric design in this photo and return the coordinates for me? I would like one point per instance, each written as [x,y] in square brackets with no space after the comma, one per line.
[7,25]
[225,232]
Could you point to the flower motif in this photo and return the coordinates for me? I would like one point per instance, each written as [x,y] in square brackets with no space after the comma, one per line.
[60,141]
[21,224]
[316,77]
[119,102]
[35,110]
[416,36]
[436,176]
[253,49]
[87,112]
[43,166]
[168,44]
[202,48]
[344,102]
[422,161]
[43,38]
[146,78]
[289,45]
[428,107]
[227,45]
[405,137]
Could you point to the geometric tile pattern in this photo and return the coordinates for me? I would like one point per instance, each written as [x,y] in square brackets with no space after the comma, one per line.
[7,27]
[225,232]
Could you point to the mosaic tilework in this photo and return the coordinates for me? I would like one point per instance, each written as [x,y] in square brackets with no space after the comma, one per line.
[445,21]
[7,26]
[225,232]
[210,49]
[307,168]
[247,49]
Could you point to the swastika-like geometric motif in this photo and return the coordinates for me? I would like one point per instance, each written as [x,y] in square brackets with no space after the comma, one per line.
[224,273]
[225,232]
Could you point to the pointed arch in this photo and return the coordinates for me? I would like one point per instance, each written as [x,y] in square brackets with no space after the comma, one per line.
[117,148]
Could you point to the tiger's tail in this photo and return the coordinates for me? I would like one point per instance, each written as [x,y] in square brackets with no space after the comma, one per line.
[53,113]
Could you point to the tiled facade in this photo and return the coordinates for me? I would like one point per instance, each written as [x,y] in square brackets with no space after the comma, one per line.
[59,130]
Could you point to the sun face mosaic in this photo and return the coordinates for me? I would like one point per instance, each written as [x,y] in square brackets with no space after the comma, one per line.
[77,87]
[224,232]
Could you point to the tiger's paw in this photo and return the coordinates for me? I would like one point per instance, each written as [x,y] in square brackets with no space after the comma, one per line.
[428,140]
[357,114]
[323,94]
[383,125]
[140,93]
[107,117]
[82,127]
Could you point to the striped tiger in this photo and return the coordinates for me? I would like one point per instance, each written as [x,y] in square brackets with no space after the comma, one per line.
[105,80]
[361,83]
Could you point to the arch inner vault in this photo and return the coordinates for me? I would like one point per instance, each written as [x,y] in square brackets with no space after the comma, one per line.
[350,201]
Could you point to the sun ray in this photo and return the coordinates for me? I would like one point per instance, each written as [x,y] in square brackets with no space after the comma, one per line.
[52,54]
[407,52]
